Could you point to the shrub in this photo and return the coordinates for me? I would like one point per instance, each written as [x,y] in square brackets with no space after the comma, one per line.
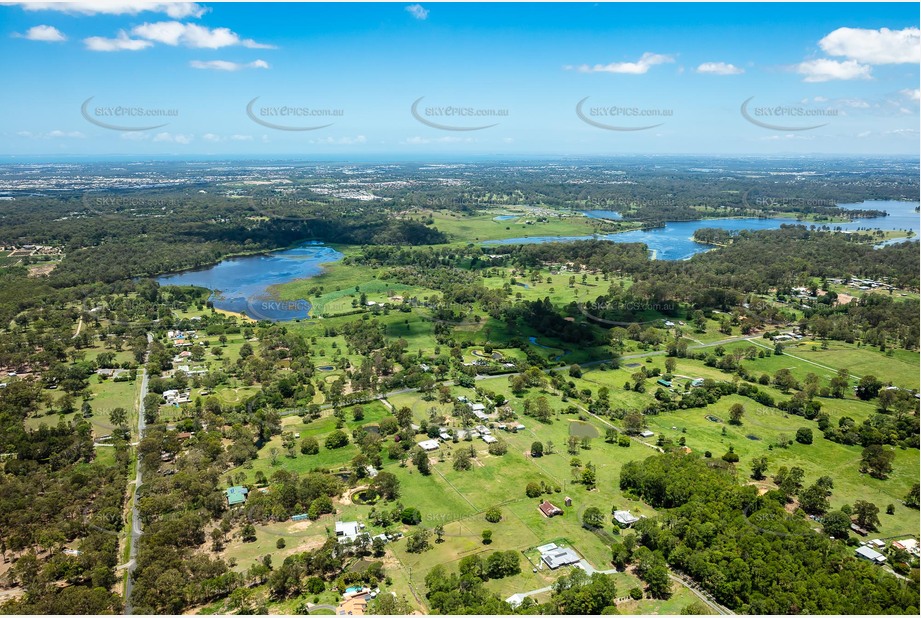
[537,449]
[336,439]
[310,446]
[411,516]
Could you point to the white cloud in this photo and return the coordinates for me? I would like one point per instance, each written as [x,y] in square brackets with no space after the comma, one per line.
[192,35]
[347,141]
[909,132]
[226,65]
[214,138]
[853,103]
[883,46]
[121,43]
[171,138]
[640,67]
[176,10]
[786,137]
[418,11]
[48,34]
[55,134]
[719,68]
[68,134]
[447,139]
[914,95]
[823,70]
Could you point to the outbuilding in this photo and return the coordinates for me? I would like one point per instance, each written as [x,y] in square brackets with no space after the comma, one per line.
[870,554]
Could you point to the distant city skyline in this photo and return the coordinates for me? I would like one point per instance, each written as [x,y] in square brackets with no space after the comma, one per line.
[443,80]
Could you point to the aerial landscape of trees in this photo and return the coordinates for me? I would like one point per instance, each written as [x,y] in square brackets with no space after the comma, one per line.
[740,368]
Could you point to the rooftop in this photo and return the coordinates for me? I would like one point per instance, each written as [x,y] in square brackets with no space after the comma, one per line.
[870,554]
[555,558]
[347,530]
[624,518]
[236,494]
[549,509]
[429,445]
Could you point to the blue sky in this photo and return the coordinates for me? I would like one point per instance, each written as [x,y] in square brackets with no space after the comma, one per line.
[518,69]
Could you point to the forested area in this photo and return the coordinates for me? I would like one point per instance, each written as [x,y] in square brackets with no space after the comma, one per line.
[53,494]
[751,262]
[62,503]
[665,188]
[747,551]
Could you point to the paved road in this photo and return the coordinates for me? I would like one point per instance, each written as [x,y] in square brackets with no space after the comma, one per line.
[136,527]
[517,598]
[311,607]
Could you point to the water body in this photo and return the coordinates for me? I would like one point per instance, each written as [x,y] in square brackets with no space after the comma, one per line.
[902,216]
[533,340]
[675,240]
[612,215]
[241,284]
[505,217]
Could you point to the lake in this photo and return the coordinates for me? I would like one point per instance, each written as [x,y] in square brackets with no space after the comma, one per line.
[603,214]
[902,216]
[241,284]
[675,241]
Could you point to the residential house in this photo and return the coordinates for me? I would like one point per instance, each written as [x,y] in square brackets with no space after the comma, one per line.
[549,510]
[870,554]
[555,557]
[353,605]
[236,495]
[347,531]
[429,445]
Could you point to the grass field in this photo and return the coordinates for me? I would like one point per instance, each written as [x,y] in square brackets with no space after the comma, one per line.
[457,500]
[464,229]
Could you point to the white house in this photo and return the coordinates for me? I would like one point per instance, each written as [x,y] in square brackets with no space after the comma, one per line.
[625,519]
[347,531]
[429,445]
